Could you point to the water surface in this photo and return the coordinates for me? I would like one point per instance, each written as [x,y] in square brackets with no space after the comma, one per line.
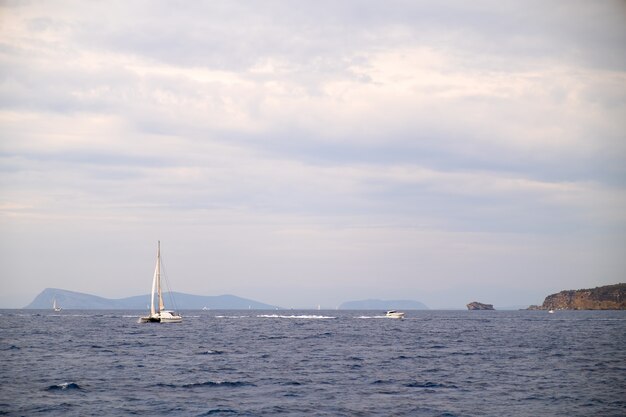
[335,363]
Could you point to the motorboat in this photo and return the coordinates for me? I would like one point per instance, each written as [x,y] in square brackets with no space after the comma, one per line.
[393,314]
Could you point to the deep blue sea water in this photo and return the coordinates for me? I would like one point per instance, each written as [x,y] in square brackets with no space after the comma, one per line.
[302,363]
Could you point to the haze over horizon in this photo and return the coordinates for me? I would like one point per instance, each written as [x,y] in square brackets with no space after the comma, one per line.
[313,153]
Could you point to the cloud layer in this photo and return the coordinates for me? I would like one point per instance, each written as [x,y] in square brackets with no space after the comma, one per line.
[305,153]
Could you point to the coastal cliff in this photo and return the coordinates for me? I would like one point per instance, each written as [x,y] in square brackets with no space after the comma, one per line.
[609,297]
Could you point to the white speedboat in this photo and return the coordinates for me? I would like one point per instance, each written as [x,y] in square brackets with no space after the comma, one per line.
[393,314]
[158,313]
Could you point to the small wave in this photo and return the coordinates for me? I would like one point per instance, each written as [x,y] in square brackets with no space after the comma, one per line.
[291,383]
[272,337]
[163,385]
[318,336]
[381,382]
[232,317]
[302,316]
[211,352]
[477,353]
[428,384]
[219,411]
[64,386]
[229,384]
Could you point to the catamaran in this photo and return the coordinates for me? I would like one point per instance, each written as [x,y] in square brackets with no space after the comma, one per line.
[158,313]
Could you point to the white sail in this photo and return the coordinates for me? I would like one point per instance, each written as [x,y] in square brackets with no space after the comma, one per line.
[154,279]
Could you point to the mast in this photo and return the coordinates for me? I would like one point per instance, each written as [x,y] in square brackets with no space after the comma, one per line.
[158,277]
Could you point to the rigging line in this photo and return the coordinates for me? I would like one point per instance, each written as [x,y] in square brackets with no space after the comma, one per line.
[167,284]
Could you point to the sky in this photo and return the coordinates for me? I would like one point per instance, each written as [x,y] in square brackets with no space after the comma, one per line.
[308,153]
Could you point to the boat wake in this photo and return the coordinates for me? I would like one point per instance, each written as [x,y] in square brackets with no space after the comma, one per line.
[301,316]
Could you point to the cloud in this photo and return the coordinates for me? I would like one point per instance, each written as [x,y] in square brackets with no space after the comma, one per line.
[330,132]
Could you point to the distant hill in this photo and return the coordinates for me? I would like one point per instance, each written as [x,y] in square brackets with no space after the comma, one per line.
[383,305]
[71,300]
[608,297]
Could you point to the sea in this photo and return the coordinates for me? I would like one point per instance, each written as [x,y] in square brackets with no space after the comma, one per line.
[313,363]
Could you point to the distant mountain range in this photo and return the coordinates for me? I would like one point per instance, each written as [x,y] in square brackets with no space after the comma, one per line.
[80,301]
[383,305]
[71,300]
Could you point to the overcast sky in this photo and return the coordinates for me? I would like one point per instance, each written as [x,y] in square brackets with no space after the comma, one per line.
[302,153]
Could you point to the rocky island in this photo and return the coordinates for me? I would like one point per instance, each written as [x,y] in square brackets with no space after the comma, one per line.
[475,305]
[608,297]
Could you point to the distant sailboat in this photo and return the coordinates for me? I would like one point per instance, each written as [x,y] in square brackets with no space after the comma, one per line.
[55,307]
[158,314]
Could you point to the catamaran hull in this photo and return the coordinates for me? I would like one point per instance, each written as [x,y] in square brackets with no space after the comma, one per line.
[144,320]
[148,320]
[162,318]
[172,320]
